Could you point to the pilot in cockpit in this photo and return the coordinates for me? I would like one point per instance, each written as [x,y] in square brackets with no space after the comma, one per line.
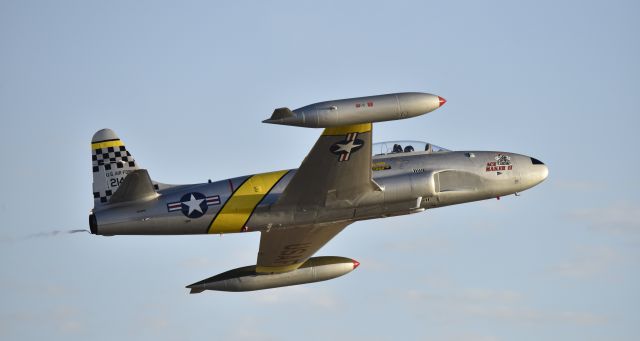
[397,147]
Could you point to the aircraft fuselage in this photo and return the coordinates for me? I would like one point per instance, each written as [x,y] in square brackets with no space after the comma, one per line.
[407,183]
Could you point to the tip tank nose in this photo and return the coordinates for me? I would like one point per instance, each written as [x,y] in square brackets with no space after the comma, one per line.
[419,103]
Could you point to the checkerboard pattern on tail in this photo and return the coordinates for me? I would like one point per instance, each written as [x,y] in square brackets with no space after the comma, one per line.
[112,158]
[111,162]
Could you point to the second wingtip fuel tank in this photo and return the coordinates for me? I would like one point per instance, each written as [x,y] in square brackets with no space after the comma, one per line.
[316,269]
[358,110]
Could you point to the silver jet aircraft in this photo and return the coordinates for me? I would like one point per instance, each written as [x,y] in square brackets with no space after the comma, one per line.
[344,179]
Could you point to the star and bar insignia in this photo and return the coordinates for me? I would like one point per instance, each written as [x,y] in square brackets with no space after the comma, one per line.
[344,148]
[194,204]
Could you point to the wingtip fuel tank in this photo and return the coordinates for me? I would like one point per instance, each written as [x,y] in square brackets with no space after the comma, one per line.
[315,269]
[349,111]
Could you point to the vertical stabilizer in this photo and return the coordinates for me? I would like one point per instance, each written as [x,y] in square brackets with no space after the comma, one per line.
[111,163]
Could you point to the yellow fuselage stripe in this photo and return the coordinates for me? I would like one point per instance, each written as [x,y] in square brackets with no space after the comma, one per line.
[343,130]
[107,144]
[238,209]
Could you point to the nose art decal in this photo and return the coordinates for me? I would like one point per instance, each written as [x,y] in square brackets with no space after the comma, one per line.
[502,163]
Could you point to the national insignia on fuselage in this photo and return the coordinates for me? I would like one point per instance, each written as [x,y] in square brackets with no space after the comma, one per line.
[193,204]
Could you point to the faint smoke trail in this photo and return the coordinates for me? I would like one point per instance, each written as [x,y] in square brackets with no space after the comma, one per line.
[55,233]
[80,230]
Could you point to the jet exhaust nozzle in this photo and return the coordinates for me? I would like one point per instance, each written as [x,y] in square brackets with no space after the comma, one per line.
[93,223]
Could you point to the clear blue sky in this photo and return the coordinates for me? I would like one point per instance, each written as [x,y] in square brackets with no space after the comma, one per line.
[185,84]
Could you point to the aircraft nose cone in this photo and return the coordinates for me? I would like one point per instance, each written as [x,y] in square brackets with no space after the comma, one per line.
[543,172]
[441,101]
[540,170]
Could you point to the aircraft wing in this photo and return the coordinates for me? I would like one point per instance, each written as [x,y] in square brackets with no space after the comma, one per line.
[286,249]
[336,171]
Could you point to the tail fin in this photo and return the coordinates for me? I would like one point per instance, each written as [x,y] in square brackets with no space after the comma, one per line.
[111,163]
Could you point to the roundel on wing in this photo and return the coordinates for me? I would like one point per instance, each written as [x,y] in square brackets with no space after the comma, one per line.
[347,146]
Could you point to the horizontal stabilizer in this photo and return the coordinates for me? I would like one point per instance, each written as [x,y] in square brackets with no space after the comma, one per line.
[136,186]
[280,113]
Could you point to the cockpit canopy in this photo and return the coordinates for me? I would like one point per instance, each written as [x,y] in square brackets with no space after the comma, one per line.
[394,147]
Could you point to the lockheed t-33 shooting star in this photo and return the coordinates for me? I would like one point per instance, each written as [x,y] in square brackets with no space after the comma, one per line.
[344,179]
